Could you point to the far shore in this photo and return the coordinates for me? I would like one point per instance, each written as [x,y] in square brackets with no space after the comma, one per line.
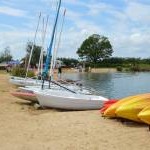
[92,70]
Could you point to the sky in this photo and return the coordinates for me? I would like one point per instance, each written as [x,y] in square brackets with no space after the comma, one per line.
[126,23]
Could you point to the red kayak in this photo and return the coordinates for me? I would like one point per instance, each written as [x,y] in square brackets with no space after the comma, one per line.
[107,105]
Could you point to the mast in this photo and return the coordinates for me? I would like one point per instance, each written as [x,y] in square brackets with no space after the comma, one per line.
[59,40]
[49,51]
[44,29]
[33,45]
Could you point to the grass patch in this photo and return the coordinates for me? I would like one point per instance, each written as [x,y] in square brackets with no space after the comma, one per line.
[3,72]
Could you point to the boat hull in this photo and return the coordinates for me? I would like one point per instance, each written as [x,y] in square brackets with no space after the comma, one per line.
[25,96]
[131,109]
[144,115]
[23,82]
[72,102]
[111,111]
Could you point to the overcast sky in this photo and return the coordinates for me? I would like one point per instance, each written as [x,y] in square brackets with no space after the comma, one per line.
[125,22]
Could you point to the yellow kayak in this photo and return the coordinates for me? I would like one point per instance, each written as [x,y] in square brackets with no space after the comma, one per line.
[111,111]
[144,115]
[131,109]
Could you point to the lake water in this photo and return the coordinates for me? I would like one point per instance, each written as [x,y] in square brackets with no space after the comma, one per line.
[114,85]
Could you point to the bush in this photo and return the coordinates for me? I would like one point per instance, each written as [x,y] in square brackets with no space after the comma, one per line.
[31,74]
[21,72]
[128,69]
[135,68]
[119,68]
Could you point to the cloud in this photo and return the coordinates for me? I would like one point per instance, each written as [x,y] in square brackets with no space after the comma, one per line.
[12,11]
[17,41]
[7,27]
[126,26]
[138,12]
[132,45]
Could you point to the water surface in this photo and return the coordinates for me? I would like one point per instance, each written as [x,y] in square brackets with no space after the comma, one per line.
[114,85]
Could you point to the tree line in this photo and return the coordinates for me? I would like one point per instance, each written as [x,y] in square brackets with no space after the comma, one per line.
[108,62]
[6,56]
[95,51]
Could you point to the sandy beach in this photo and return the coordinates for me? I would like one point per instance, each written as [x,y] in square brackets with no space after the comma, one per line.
[22,127]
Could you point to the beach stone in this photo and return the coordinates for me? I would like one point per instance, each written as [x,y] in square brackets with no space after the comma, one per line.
[37,106]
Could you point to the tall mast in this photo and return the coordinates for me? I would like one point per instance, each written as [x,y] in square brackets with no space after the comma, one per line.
[33,44]
[44,29]
[49,51]
[53,62]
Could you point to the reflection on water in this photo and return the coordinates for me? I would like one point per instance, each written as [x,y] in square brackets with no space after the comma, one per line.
[114,85]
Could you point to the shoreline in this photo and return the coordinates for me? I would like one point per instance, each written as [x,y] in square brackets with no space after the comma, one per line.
[92,70]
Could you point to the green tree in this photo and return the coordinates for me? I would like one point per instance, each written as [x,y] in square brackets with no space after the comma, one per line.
[69,62]
[6,55]
[95,48]
[35,55]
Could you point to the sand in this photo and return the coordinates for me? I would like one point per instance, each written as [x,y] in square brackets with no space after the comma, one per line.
[24,128]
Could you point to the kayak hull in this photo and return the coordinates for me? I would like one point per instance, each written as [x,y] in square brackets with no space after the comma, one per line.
[131,109]
[144,115]
[111,111]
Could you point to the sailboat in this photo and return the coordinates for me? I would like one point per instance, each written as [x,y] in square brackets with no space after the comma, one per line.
[20,81]
[58,95]
[32,85]
[66,99]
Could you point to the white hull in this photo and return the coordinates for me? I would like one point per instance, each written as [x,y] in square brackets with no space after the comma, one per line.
[36,85]
[69,101]
[54,87]
[33,89]
[24,82]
